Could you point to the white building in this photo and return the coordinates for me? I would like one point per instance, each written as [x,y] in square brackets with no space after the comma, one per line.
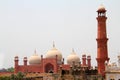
[112,70]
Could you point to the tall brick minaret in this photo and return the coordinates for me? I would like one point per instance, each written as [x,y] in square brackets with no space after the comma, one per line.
[102,51]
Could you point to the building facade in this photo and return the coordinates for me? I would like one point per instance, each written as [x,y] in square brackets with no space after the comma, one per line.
[51,63]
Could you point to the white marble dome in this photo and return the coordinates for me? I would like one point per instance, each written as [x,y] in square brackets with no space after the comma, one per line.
[53,52]
[34,59]
[73,57]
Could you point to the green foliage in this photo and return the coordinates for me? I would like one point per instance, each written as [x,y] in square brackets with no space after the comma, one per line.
[20,76]
[12,77]
[11,69]
[5,78]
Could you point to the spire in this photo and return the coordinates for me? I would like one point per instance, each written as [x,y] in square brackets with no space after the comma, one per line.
[35,51]
[53,44]
[73,50]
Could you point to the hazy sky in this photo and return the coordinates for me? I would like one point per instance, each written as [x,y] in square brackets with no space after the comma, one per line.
[26,25]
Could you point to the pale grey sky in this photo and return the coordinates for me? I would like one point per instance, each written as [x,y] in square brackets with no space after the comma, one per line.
[26,25]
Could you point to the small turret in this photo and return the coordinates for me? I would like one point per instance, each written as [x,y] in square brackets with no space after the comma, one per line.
[16,60]
[25,61]
[84,59]
[89,61]
[101,11]
[119,60]
[63,61]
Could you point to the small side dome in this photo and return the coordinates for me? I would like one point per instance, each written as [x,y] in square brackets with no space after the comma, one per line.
[34,59]
[53,52]
[73,58]
[101,8]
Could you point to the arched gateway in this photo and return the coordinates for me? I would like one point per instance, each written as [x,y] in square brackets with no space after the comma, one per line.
[49,68]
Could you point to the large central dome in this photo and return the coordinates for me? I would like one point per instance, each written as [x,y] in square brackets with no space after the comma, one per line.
[53,52]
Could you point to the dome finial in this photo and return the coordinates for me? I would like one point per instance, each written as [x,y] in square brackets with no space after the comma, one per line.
[53,44]
[101,4]
[73,50]
[35,51]
[101,7]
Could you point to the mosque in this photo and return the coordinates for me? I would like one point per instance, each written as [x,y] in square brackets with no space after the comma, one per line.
[53,61]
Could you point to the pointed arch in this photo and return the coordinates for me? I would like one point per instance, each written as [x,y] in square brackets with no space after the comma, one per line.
[49,68]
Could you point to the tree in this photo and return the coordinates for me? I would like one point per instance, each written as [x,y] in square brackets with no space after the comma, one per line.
[11,69]
[12,77]
[5,78]
[20,75]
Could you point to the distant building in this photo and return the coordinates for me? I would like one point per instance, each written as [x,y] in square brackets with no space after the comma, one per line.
[113,70]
